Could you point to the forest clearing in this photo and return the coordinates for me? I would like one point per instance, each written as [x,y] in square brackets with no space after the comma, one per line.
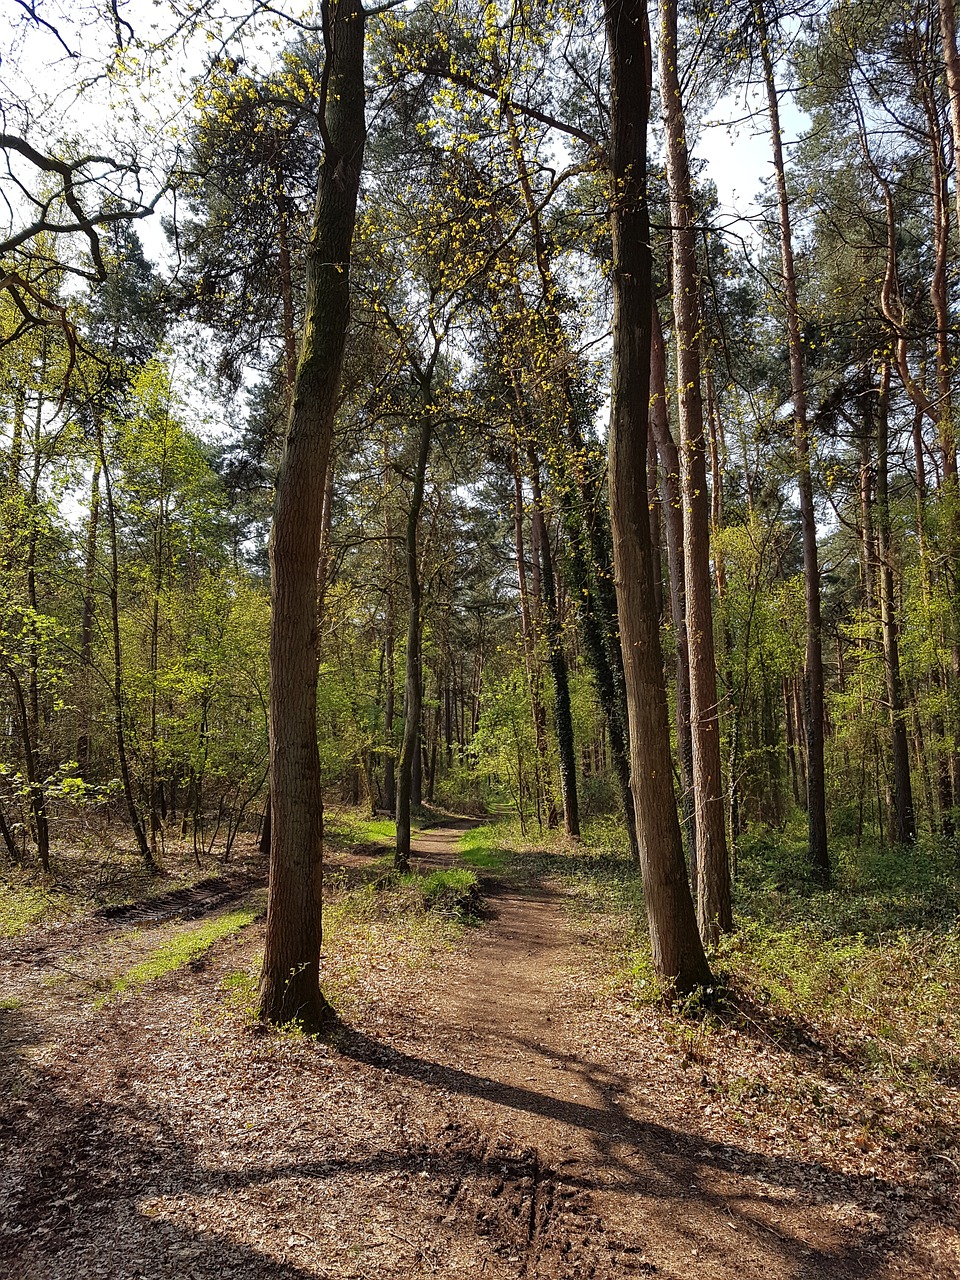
[479,639]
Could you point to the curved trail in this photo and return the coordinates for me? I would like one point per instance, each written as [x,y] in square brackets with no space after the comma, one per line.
[611,1181]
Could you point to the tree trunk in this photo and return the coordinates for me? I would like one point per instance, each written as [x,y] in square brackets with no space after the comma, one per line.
[87,612]
[813,666]
[678,954]
[563,717]
[713,867]
[673,526]
[289,981]
[904,826]
[545,804]
[577,480]
[119,700]
[412,698]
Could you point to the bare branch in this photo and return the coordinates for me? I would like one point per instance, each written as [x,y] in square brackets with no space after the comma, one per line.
[30,10]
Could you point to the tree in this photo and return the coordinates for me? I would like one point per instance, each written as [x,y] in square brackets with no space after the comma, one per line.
[713,868]
[813,668]
[289,981]
[678,954]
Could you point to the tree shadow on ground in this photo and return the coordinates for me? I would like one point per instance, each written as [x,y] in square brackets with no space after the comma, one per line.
[648,1159]
[95,1188]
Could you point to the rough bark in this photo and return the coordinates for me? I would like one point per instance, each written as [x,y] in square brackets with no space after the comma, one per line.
[673,528]
[951,63]
[546,808]
[563,717]
[904,826]
[409,761]
[289,981]
[678,954]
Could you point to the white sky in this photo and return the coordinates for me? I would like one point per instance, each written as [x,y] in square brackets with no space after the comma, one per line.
[738,154]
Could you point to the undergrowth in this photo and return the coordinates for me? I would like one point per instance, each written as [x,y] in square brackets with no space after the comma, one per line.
[349,829]
[25,902]
[390,924]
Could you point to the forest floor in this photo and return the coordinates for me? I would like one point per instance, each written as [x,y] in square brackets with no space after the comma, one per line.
[489,1106]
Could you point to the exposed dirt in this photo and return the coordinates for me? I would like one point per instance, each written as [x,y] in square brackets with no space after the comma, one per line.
[487,1116]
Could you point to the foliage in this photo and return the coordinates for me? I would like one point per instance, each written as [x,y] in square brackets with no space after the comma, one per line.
[23,904]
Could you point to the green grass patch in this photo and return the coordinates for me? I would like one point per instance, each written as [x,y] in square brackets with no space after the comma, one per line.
[240,992]
[479,847]
[24,903]
[348,829]
[185,947]
[452,892]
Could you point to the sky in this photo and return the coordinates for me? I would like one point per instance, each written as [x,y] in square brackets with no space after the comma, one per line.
[37,69]
[738,156]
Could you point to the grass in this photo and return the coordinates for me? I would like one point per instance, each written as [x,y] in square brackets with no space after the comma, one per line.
[452,892]
[24,903]
[185,947]
[352,829]
[478,848]
[347,828]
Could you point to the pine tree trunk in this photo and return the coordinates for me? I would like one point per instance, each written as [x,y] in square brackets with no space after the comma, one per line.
[673,527]
[290,977]
[88,610]
[389,626]
[545,805]
[410,763]
[813,666]
[119,700]
[903,826]
[713,881]
[678,954]
[577,481]
[563,718]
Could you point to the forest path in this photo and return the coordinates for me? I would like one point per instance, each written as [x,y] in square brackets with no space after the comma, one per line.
[604,1170]
[493,1112]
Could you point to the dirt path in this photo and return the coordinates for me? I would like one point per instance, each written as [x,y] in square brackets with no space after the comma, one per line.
[484,1117]
[619,1175]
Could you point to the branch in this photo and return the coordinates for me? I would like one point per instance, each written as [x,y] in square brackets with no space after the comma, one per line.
[16,286]
[72,176]
[42,22]
[440,72]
